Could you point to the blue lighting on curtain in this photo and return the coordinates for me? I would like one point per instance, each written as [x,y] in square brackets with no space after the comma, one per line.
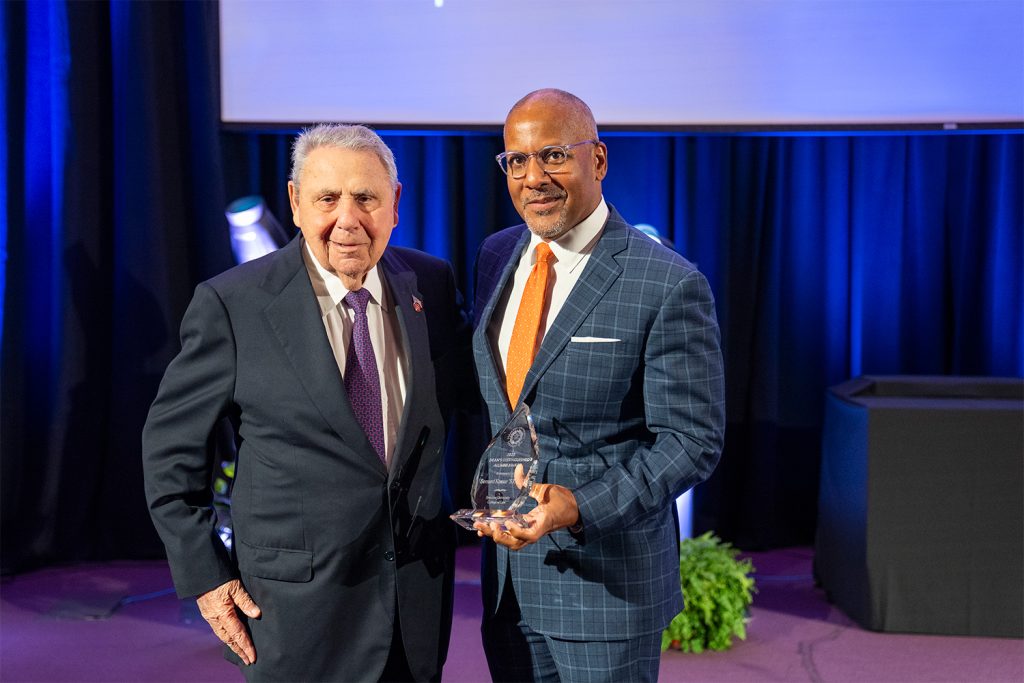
[45,146]
[4,76]
[438,207]
[850,255]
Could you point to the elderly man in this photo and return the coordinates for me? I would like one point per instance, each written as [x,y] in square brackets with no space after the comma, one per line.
[612,341]
[333,358]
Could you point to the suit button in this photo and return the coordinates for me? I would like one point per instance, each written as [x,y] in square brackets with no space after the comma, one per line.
[389,556]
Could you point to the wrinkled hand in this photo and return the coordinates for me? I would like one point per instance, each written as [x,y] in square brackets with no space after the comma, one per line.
[556,509]
[218,608]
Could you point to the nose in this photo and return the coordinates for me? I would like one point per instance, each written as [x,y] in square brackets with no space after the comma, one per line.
[348,216]
[535,173]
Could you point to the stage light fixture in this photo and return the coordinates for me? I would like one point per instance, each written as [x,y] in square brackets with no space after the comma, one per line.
[255,231]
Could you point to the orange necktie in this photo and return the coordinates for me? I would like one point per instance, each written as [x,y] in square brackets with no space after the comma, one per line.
[526,332]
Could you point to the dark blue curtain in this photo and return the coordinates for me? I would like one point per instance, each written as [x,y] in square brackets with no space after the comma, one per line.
[830,256]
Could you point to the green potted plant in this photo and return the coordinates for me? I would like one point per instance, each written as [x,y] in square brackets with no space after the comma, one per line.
[718,591]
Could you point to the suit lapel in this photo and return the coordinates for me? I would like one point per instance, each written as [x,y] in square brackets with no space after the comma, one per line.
[402,285]
[483,347]
[295,318]
[600,273]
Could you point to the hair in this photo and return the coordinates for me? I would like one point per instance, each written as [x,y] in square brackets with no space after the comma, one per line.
[580,118]
[343,136]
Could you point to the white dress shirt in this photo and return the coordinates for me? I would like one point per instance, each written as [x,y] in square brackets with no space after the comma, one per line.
[338,318]
[571,251]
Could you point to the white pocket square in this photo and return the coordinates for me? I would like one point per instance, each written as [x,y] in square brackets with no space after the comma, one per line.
[593,340]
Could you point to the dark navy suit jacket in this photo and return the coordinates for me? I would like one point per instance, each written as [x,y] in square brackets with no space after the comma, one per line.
[327,540]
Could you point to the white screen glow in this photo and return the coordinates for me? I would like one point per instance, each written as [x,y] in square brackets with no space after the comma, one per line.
[636,62]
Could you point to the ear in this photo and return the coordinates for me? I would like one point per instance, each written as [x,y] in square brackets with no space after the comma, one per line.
[398,195]
[600,161]
[293,199]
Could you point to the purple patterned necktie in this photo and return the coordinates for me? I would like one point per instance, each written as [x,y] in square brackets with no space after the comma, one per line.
[361,379]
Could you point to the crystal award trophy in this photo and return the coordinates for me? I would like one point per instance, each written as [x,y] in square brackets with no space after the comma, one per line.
[498,492]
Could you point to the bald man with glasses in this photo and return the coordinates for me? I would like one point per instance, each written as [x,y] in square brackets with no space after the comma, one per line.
[611,340]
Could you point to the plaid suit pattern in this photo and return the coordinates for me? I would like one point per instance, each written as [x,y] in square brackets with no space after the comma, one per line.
[627,425]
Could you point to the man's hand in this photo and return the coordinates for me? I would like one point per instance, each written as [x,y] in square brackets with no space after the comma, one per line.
[556,509]
[218,608]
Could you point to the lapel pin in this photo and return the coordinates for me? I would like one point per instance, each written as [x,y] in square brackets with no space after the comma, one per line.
[417,305]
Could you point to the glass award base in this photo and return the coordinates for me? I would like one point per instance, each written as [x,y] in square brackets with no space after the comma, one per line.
[505,475]
[467,518]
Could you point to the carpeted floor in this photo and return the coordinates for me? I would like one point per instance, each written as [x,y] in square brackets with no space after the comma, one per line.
[120,622]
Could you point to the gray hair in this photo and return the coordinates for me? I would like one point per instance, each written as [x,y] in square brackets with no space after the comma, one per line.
[354,137]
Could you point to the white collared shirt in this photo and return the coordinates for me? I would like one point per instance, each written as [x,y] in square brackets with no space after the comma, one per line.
[338,318]
[572,251]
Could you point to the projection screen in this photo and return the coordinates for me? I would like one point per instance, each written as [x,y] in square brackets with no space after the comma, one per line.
[638,63]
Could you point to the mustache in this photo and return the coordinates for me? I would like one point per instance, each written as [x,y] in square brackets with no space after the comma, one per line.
[542,196]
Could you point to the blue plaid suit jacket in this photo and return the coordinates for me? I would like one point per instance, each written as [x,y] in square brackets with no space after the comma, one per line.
[627,425]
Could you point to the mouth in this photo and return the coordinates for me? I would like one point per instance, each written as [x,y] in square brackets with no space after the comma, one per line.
[545,202]
[347,248]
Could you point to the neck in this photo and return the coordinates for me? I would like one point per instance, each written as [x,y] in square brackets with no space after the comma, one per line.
[353,283]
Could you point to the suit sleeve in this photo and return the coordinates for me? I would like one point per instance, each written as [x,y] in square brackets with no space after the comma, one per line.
[684,408]
[177,453]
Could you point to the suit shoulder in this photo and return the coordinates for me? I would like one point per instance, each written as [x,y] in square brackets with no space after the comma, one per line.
[503,240]
[269,273]
[496,248]
[657,258]
[656,270]
[418,260]
[244,275]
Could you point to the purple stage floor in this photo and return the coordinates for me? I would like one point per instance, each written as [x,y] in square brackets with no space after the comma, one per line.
[118,622]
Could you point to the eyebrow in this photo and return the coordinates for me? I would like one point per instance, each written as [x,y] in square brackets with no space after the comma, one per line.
[336,192]
[510,152]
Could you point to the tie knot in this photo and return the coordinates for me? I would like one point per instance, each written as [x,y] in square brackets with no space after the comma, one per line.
[543,252]
[358,300]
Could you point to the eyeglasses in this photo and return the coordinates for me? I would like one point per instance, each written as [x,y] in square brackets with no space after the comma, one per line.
[551,159]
